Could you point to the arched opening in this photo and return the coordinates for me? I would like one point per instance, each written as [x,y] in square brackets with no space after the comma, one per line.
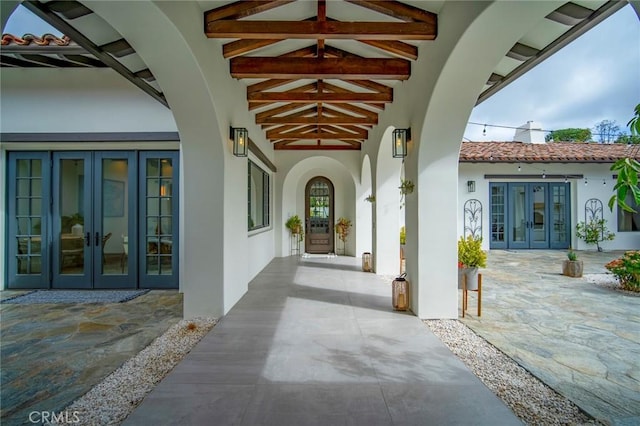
[364,210]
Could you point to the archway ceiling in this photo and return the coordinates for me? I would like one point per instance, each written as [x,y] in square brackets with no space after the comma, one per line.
[318,73]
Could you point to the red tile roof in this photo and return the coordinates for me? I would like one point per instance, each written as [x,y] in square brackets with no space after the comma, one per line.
[552,152]
[28,39]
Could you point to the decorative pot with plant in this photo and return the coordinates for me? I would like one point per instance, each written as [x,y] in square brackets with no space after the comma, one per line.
[406,187]
[594,232]
[294,225]
[343,227]
[471,257]
[572,267]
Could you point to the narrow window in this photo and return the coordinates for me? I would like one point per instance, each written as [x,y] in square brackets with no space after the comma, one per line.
[258,197]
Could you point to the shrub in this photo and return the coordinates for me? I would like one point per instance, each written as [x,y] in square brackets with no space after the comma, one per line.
[627,270]
[470,252]
[594,232]
[403,236]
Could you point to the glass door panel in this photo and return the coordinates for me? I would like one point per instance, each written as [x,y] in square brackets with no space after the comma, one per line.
[538,227]
[114,200]
[28,196]
[559,209]
[71,203]
[518,216]
[498,215]
[158,216]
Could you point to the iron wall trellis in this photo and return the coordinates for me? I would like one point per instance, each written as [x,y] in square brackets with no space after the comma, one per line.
[593,212]
[473,218]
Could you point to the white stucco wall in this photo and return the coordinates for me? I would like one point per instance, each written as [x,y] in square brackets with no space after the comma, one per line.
[41,100]
[600,183]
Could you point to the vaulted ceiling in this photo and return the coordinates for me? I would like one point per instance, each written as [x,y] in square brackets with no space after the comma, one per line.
[320,95]
[318,73]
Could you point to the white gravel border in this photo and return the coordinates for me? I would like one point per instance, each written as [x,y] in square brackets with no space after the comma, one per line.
[111,401]
[530,399]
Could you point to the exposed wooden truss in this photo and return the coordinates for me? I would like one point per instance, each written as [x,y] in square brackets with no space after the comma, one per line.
[342,104]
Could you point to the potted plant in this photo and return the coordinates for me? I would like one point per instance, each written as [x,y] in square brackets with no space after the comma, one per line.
[572,267]
[406,187]
[343,226]
[594,232]
[471,257]
[294,225]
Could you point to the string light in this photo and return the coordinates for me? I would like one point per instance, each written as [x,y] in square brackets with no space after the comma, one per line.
[519,167]
[484,131]
[544,174]
[500,126]
[604,182]
[566,179]
[585,181]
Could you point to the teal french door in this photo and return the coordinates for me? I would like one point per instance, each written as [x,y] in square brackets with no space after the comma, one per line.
[92,219]
[528,215]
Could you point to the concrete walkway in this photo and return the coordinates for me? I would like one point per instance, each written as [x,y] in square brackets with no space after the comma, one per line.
[315,342]
[581,339]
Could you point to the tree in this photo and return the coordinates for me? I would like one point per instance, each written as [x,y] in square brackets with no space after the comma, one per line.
[629,139]
[607,131]
[628,169]
[569,135]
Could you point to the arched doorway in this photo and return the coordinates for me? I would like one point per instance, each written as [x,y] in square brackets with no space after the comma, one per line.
[318,206]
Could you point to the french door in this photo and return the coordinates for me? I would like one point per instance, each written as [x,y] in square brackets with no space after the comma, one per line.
[319,216]
[530,215]
[92,219]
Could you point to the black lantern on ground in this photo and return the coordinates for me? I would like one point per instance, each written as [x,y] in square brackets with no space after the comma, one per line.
[367,264]
[400,139]
[400,293]
[240,138]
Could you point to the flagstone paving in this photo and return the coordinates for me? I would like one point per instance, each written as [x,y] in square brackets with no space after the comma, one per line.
[52,354]
[580,338]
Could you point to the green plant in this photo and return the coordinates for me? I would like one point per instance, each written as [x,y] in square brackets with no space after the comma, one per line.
[470,252]
[343,226]
[371,198]
[594,232]
[406,187]
[627,169]
[403,236]
[572,255]
[294,225]
[627,270]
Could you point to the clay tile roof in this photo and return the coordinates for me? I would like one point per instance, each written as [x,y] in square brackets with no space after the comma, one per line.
[28,39]
[552,152]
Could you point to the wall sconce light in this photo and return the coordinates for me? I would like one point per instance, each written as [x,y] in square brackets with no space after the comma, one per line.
[240,138]
[400,139]
[471,185]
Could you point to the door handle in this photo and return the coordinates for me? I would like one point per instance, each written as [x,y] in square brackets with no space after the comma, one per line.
[97,238]
[87,238]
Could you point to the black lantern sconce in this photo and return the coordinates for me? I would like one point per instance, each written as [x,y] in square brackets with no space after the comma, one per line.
[240,138]
[400,139]
[471,186]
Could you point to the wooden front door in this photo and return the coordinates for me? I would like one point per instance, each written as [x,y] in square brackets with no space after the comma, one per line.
[319,216]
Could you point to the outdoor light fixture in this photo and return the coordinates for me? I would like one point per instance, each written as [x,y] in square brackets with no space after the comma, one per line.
[471,186]
[240,138]
[400,139]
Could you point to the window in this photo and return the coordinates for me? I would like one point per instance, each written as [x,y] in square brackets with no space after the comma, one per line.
[258,195]
[627,221]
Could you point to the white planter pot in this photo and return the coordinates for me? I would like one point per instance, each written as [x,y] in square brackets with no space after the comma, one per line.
[472,278]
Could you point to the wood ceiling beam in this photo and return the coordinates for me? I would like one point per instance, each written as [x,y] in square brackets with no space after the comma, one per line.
[277,111]
[267,84]
[316,135]
[319,97]
[356,110]
[398,10]
[84,60]
[241,9]
[317,120]
[372,85]
[339,68]
[285,145]
[328,30]
[399,48]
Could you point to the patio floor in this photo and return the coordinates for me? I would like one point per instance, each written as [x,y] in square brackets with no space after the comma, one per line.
[580,338]
[315,342]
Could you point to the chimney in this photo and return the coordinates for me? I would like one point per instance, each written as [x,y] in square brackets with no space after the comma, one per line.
[531,132]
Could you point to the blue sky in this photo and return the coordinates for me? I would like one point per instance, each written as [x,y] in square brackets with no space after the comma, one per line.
[595,78]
